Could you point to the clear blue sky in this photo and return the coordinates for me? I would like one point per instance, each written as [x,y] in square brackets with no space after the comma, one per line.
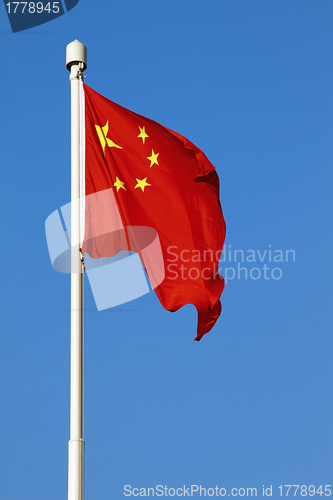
[250,83]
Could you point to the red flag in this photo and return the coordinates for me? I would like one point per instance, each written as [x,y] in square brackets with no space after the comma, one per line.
[159,180]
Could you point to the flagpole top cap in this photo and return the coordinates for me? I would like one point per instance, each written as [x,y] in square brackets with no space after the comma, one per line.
[76,53]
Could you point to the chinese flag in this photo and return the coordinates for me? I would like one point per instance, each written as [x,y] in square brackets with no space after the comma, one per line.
[159,180]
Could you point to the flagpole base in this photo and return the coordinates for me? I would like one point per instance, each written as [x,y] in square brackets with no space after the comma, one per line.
[75,469]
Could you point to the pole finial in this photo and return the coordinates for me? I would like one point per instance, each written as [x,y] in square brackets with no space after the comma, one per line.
[76,53]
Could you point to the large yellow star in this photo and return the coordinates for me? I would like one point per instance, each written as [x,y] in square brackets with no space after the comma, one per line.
[102,132]
[143,134]
[153,158]
[142,184]
[119,184]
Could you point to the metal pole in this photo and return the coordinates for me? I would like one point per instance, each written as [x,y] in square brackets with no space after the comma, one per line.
[76,62]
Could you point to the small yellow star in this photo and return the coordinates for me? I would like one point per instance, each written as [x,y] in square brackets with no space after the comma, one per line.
[119,184]
[143,134]
[102,132]
[142,184]
[153,158]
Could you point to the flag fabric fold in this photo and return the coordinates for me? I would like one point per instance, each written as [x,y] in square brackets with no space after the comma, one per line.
[159,180]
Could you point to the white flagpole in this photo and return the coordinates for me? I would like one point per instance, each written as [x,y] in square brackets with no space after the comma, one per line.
[76,63]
